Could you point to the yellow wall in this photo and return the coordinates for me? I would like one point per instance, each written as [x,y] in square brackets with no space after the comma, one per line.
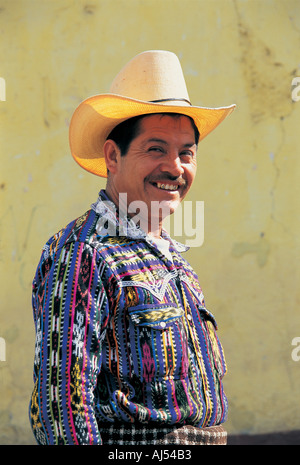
[55,53]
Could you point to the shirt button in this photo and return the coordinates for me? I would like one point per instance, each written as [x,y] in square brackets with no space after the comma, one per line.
[189,317]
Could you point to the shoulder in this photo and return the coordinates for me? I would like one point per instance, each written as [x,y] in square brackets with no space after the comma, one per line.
[75,243]
[82,236]
[81,230]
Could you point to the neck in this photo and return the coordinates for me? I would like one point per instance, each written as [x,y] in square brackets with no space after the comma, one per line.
[151,225]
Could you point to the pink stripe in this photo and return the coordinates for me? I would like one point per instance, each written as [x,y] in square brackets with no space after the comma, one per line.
[70,343]
[87,320]
[187,394]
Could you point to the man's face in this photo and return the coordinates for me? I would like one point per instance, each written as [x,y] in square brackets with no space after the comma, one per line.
[160,164]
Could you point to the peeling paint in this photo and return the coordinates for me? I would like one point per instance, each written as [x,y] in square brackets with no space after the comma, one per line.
[261,248]
[267,81]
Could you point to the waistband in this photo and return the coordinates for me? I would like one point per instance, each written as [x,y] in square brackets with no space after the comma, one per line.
[127,434]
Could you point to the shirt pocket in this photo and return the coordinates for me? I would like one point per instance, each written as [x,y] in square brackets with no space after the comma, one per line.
[216,351]
[158,342]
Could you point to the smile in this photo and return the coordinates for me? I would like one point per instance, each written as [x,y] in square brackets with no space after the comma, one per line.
[166,187]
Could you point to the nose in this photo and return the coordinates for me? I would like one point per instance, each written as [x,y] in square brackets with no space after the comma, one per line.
[172,165]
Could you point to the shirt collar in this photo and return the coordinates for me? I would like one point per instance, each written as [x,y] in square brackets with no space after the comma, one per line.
[111,223]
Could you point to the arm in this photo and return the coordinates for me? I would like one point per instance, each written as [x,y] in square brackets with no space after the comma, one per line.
[71,313]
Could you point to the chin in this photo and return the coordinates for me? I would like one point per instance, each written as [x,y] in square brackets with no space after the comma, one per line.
[167,208]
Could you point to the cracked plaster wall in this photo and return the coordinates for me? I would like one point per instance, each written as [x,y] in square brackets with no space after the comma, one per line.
[55,54]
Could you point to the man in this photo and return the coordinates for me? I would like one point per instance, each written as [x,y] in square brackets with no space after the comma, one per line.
[126,351]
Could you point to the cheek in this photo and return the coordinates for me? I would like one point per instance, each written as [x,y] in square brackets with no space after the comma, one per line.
[190,173]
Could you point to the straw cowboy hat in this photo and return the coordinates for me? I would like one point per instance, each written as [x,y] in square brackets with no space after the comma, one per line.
[152,82]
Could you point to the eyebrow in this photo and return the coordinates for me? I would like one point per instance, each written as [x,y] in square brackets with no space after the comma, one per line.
[162,141]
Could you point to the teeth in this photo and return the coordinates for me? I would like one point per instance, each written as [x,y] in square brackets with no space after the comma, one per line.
[168,187]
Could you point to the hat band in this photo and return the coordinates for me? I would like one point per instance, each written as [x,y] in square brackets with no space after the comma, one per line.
[171,99]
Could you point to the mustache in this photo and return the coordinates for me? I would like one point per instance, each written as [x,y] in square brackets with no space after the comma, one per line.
[168,177]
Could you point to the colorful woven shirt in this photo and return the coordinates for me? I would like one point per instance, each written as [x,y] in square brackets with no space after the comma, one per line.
[123,335]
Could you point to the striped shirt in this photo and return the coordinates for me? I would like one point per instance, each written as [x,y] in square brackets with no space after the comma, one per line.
[122,334]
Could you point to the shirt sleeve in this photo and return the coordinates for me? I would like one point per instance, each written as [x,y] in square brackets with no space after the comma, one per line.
[71,314]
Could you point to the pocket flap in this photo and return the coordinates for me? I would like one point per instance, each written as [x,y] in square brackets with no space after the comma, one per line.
[155,316]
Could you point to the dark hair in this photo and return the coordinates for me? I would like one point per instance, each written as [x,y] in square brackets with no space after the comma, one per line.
[125,132]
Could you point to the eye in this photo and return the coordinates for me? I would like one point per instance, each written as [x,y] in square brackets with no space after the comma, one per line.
[187,154]
[156,149]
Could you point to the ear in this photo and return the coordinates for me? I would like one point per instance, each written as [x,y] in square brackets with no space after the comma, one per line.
[112,155]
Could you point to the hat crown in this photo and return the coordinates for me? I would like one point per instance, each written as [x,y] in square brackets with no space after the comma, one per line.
[154,75]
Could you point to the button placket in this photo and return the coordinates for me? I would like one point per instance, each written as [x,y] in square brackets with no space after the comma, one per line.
[191,338]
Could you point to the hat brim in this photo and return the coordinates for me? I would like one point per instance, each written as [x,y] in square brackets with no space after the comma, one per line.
[96,116]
